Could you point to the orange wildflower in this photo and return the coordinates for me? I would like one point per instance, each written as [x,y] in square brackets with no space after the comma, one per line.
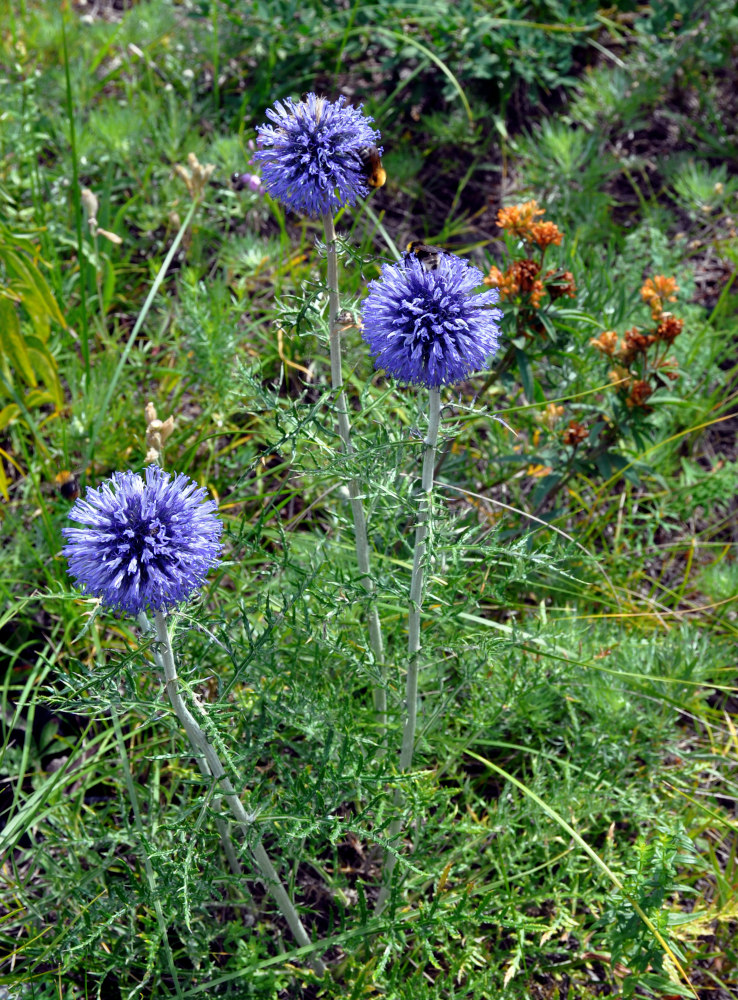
[669,328]
[661,287]
[543,234]
[526,273]
[633,344]
[518,220]
[606,343]
[639,393]
[521,276]
[507,282]
[536,294]
[495,278]
[658,290]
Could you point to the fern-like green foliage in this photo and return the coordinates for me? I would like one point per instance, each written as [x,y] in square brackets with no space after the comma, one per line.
[650,882]
[710,490]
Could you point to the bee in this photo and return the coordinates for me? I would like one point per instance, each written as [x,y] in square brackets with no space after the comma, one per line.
[429,257]
[239,181]
[371,164]
[345,320]
[68,485]
[245,182]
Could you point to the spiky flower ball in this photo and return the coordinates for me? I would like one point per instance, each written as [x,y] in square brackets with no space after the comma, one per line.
[146,542]
[426,325]
[310,156]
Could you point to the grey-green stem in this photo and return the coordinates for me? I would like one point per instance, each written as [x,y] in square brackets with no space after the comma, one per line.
[357,507]
[200,743]
[413,628]
[222,825]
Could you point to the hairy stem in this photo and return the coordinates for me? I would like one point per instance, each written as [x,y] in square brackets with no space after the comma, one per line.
[413,627]
[200,743]
[357,506]
[148,867]
[223,828]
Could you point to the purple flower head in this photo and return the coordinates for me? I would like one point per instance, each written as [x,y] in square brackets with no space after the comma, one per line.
[426,326]
[145,543]
[310,156]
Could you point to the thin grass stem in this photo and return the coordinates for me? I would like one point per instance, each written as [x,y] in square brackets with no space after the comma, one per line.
[77,202]
[112,385]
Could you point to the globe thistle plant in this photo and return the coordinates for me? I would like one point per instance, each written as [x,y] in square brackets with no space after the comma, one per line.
[426,326]
[310,154]
[313,159]
[147,543]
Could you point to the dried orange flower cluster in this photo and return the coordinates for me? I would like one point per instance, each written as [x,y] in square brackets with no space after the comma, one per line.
[635,367]
[523,277]
[574,434]
[520,220]
[543,234]
[520,278]
[658,290]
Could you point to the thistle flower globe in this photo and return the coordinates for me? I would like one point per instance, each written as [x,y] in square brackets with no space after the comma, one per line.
[427,326]
[146,542]
[310,154]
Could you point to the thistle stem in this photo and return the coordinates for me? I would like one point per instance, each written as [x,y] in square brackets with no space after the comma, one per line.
[413,627]
[223,827]
[357,507]
[200,743]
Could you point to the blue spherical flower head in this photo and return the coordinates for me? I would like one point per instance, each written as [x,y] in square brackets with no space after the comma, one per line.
[426,325]
[310,155]
[146,543]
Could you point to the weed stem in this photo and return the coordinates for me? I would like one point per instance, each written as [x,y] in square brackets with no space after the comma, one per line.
[200,743]
[413,627]
[357,506]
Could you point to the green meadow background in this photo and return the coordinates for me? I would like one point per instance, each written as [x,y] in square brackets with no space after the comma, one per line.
[575,765]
